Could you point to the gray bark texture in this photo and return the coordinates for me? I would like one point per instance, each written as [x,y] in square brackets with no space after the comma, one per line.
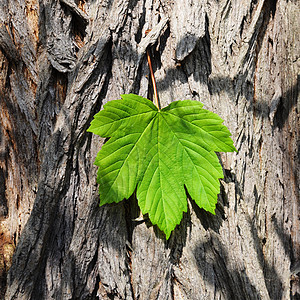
[60,61]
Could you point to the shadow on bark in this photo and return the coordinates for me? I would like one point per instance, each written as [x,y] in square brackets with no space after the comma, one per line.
[212,262]
[235,282]
[272,279]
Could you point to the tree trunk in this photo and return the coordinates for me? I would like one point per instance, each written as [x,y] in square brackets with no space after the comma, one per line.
[60,61]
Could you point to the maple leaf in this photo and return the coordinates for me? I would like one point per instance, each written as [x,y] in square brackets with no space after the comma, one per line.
[158,152]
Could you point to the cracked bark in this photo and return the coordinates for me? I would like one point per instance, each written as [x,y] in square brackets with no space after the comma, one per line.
[60,61]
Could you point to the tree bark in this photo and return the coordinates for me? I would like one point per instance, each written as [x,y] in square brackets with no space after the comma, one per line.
[60,61]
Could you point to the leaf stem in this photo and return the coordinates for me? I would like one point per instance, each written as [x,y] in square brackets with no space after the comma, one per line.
[152,76]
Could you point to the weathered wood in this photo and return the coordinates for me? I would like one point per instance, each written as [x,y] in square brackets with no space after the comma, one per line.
[60,61]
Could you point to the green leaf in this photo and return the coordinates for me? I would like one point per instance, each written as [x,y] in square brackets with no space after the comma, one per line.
[158,153]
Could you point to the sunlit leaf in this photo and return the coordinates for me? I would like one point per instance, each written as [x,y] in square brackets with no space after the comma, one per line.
[157,153]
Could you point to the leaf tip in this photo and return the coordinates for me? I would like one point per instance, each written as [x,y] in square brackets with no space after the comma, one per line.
[168,235]
[213,211]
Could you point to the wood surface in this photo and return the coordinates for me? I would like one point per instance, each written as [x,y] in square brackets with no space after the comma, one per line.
[60,61]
